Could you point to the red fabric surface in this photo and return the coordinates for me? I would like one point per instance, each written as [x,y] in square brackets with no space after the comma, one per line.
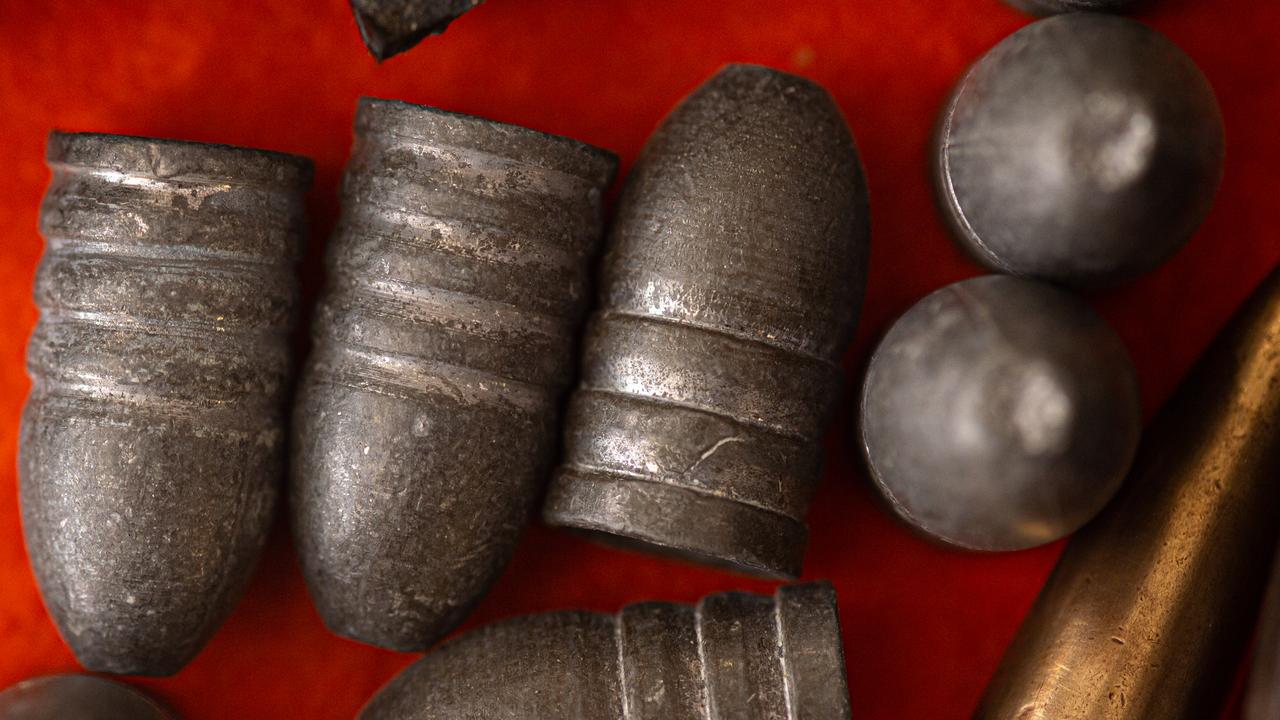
[924,626]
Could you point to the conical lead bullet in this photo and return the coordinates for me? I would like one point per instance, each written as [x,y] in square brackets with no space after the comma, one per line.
[734,273]
[734,656]
[1150,607]
[153,440]
[426,421]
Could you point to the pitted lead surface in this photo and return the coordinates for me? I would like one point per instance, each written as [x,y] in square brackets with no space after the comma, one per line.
[427,416]
[731,286]
[390,27]
[733,656]
[153,442]
[78,697]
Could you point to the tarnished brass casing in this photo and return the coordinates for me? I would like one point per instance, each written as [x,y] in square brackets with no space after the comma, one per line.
[1148,611]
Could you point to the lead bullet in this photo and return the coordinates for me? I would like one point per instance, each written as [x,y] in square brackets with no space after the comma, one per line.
[1084,149]
[77,697]
[999,413]
[731,287]
[733,656]
[1151,606]
[427,416]
[152,443]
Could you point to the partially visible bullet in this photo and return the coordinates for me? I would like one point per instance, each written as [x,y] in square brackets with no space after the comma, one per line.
[77,697]
[1083,149]
[1151,606]
[426,420]
[732,283]
[999,413]
[734,656]
[1051,7]
[1263,699]
[153,439]
[390,27]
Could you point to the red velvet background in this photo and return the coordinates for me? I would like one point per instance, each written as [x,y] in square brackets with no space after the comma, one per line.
[924,626]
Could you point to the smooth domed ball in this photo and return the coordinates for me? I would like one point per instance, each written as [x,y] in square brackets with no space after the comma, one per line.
[1083,149]
[1051,7]
[999,413]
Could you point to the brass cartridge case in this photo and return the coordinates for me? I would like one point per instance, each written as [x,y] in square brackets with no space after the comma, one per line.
[1150,607]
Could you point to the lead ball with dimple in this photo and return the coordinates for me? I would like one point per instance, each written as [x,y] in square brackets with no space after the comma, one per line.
[1084,149]
[999,413]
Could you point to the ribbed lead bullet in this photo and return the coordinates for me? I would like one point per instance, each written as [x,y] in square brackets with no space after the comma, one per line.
[153,439]
[77,697]
[427,417]
[734,656]
[1151,606]
[390,27]
[731,286]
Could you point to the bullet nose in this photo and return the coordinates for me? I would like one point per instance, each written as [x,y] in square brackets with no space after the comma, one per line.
[152,444]
[731,286]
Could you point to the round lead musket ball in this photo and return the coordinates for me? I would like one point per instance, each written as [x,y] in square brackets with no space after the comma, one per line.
[1052,7]
[77,697]
[1084,149]
[999,414]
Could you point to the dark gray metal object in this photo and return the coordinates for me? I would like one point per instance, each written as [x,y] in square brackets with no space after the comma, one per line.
[734,656]
[1263,699]
[999,413]
[153,439]
[390,27]
[426,421]
[731,288]
[78,697]
[1052,7]
[1084,149]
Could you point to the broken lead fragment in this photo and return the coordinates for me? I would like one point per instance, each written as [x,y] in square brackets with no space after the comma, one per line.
[152,443]
[390,27]
[731,287]
[733,656]
[427,416]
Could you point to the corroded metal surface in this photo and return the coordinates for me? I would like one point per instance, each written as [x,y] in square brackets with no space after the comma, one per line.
[78,697]
[427,417]
[1050,7]
[731,287]
[1152,604]
[734,656]
[999,413]
[153,442]
[390,27]
[1082,149]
